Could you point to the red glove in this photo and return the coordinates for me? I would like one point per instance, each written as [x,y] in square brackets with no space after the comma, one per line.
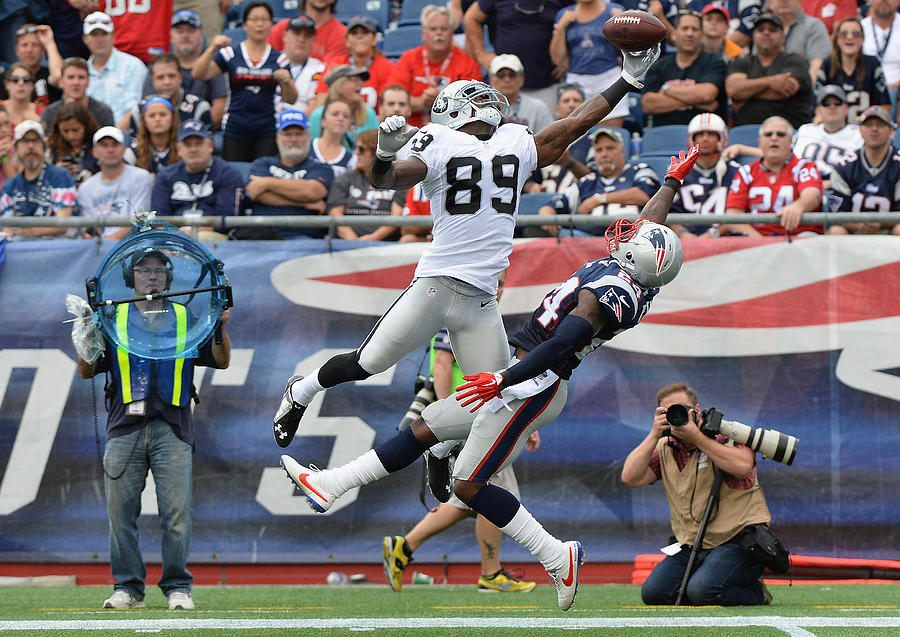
[682,166]
[482,387]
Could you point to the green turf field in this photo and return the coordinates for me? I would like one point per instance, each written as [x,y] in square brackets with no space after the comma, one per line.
[844,610]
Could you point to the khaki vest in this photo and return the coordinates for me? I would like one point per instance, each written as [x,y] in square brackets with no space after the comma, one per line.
[736,509]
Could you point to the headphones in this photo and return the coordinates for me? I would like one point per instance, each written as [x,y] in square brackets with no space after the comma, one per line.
[138,256]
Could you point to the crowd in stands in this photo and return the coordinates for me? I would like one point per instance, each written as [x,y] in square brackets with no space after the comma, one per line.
[101,114]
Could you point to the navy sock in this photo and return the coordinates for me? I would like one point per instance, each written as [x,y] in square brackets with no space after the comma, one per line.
[498,505]
[400,451]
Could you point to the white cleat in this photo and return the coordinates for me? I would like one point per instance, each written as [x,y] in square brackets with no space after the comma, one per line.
[304,478]
[566,578]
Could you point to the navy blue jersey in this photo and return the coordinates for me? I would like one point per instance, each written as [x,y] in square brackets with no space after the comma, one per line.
[309,169]
[860,187]
[251,91]
[704,190]
[215,191]
[623,302]
[861,94]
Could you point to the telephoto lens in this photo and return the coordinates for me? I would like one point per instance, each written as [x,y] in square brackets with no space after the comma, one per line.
[424,397]
[678,414]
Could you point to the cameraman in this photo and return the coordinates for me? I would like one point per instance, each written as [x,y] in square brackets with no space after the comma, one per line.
[685,458]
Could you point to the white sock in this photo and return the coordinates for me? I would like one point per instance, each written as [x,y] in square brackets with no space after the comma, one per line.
[364,470]
[303,391]
[528,532]
[443,449]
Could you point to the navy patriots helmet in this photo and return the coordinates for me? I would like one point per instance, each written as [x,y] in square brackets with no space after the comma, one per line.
[649,252]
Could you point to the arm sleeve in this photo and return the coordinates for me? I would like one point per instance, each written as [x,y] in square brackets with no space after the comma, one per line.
[571,334]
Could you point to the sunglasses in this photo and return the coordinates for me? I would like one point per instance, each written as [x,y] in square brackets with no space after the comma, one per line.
[506,75]
[525,11]
[20,79]
[26,31]
[362,149]
[774,133]
[832,103]
[850,34]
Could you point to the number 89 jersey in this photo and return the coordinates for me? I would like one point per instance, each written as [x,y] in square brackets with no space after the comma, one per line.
[474,187]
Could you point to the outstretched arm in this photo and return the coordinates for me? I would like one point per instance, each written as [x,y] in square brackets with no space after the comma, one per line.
[657,209]
[384,171]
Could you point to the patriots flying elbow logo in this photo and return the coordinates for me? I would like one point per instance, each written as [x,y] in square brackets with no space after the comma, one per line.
[657,239]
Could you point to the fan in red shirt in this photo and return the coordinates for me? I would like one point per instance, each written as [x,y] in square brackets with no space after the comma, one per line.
[362,39]
[330,33]
[141,28]
[778,182]
[426,69]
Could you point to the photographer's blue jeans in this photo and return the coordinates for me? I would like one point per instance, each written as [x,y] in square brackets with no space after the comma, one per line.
[725,578]
[158,449]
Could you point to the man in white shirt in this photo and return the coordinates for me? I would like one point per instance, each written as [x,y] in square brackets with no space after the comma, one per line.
[299,39]
[116,77]
[508,77]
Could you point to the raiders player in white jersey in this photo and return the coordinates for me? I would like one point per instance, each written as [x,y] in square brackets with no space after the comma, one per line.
[472,169]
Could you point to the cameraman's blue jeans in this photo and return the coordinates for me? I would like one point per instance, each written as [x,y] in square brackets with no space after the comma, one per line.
[725,578]
[160,450]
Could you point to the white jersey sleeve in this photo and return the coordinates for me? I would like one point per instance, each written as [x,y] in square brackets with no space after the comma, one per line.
[474,188]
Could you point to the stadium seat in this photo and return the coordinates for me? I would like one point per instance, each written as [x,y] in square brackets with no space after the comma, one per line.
[411,12]
[401,39]
[378,10]
[743,160]
[244,168]
[282,9]
[635,119]
[659,162]
[664,139]
[237,35]
[529,204]
[747,134]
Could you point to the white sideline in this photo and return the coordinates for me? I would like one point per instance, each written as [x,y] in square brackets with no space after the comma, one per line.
[793,626]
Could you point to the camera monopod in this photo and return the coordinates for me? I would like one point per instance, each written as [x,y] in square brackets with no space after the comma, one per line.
[701,532]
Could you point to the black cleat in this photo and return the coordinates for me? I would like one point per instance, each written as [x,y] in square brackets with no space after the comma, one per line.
[438,476]
[287,418]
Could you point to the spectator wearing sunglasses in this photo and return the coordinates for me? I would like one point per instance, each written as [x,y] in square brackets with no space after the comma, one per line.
[18,82]
[33,43]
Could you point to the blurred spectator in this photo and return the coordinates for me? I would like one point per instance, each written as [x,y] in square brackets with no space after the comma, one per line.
[329,147]
[116,77]
[869,180]
[705,188]
[291,183]
[7,154]
[666,11]
[507,75]
[579,46]
[428,68]
[830,12]
[769,82]
[19,82]
[186,44]
[395,100]
[210,13]
[254,70]
[74,83]
[882,39]
[362,42]
[832,138]
[353,194]
[779,182]
[69,139]
[165,75]
[118,190]
[40,190]
[198,185]
[33,42]
[13,16]
[156,144]
[860,75]
[684,84]
[306,70]
[617,187]
[141,28]
[346,83]
[331,34]
[523,28]
[803,34]
[741,14]
[716,21]
[65,19]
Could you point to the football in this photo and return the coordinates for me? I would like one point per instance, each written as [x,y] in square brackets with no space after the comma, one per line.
[634,30]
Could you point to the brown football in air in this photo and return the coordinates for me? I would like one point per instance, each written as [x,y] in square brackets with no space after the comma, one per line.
[634,30]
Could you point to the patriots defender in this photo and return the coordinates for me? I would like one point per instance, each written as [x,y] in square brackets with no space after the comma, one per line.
[472,170]
[705,188]
[602,298]
[870,180]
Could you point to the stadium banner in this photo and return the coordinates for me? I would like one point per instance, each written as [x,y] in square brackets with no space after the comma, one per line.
[797,336]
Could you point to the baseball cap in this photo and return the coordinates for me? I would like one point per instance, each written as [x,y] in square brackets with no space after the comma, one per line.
[27,126]
[345,70]
[832,90]
[712,6]
[614,135]
[291,117]
[192,128]
[109,131]
[186,16]
[98,20]
[769,17]
[362,21]
[302,21]
[872,111]
[506,61]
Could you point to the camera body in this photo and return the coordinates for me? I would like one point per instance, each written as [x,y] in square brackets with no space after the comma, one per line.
[424,388]
[770,443]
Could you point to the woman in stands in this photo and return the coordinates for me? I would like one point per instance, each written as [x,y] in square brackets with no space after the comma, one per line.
[860,75]
[70,141]
[353,194]
[19,83]
[154,147]
[328,147]
[254,71]
[346,83]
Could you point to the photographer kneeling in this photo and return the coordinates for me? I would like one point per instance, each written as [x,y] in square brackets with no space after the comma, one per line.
[686,460]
